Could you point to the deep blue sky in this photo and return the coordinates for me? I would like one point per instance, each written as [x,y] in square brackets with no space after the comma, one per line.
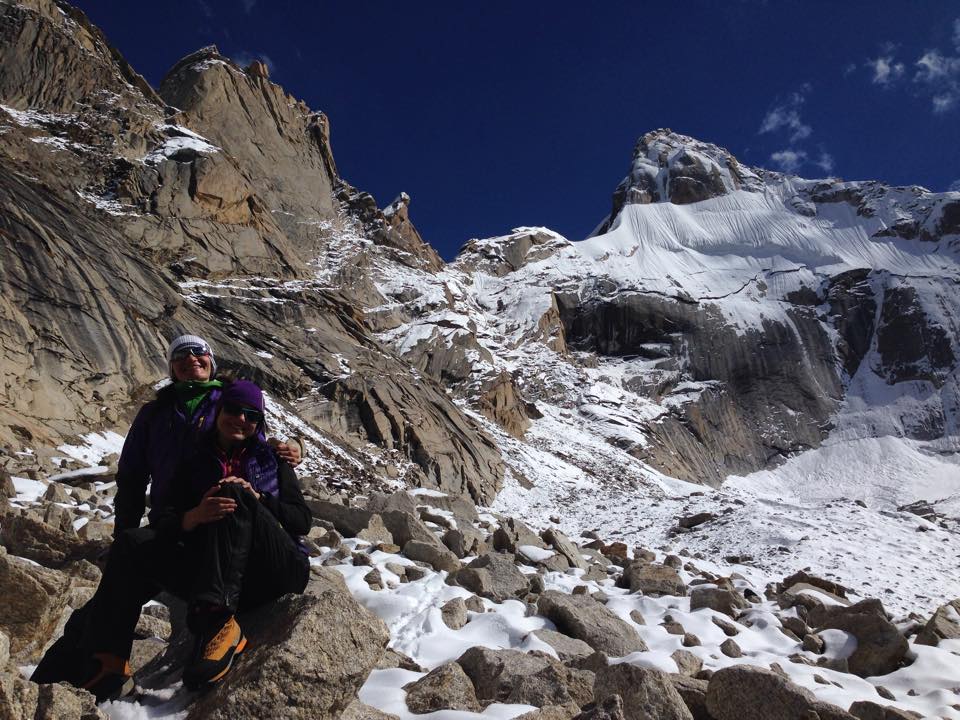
[497,114]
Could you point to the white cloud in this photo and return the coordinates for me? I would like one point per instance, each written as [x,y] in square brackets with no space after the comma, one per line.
[789,161]
[935,67]
[940,75]
[785,119]
[786,116]
[935,74]
[886,70]
[825,162]
[944,102]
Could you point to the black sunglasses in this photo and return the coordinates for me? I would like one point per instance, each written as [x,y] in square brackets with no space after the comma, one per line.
[249,414]
[195,350]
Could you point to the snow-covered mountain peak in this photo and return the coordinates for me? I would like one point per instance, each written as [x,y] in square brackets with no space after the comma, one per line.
[499,256]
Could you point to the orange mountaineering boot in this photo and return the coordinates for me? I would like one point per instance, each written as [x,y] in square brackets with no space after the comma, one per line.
[216,649]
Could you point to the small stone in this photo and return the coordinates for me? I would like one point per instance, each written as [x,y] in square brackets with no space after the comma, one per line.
[813,643]
[454,613]
[730,648]
[728,628]
[884,693]
[687,663]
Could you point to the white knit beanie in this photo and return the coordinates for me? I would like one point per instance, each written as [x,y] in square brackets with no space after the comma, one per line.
[189,341]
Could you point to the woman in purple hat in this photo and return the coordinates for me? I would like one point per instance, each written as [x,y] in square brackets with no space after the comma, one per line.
[224,537]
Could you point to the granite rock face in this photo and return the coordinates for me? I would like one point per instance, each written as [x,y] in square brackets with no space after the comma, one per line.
[122,210]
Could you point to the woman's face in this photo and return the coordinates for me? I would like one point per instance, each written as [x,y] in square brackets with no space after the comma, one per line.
[187,366]
[235,423]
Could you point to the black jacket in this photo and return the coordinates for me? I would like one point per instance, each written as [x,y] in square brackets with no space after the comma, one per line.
[202,470]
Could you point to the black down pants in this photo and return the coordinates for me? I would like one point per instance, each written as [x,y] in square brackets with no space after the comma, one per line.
[239,562]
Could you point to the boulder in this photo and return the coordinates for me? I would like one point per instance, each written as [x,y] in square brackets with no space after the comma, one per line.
[723,601]
[405,527]
[32,602]
[583,618]
[59,518]
[610,708]
[348,521]
[309,655]
[58,701]
[392,659]
[880,646]
[400,500]
[444,688]
[743,692]
[7,489]
[96,531]
[23,700]
[944,624]
[693,691]
[464,541]
[35,540]
[730,648]
[432,553]
[563,545]
[866,710]
[462,507]
[552,712]
[688,664]
[56,493]
[652,579]
[454,613]
[646,693]
[820,614]
[359,711]
[692,521]
[512,534]
[18,698]
[512,676]
[567,648]
[494,576]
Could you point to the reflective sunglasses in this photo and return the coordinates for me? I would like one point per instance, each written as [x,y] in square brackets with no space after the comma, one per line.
[249,414]
[187,350]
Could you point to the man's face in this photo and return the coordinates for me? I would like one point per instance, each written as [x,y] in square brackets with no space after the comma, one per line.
[191,367]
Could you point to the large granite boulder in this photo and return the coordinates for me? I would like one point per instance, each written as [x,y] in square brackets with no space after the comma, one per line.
[309,655]
[743,692]
[45,544]
[880,646]
[646,693]
[494,576]
[653,579]
[444,688]
[583,618]
[32,603]
[512,676]
[944,624]
[24,700]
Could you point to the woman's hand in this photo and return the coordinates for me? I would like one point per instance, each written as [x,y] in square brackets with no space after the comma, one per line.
[242,483]
[289,452]
[212,507]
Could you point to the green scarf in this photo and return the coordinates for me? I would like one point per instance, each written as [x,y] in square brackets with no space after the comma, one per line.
[192,392]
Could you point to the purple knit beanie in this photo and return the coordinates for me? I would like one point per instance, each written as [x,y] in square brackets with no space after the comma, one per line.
[243,393]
